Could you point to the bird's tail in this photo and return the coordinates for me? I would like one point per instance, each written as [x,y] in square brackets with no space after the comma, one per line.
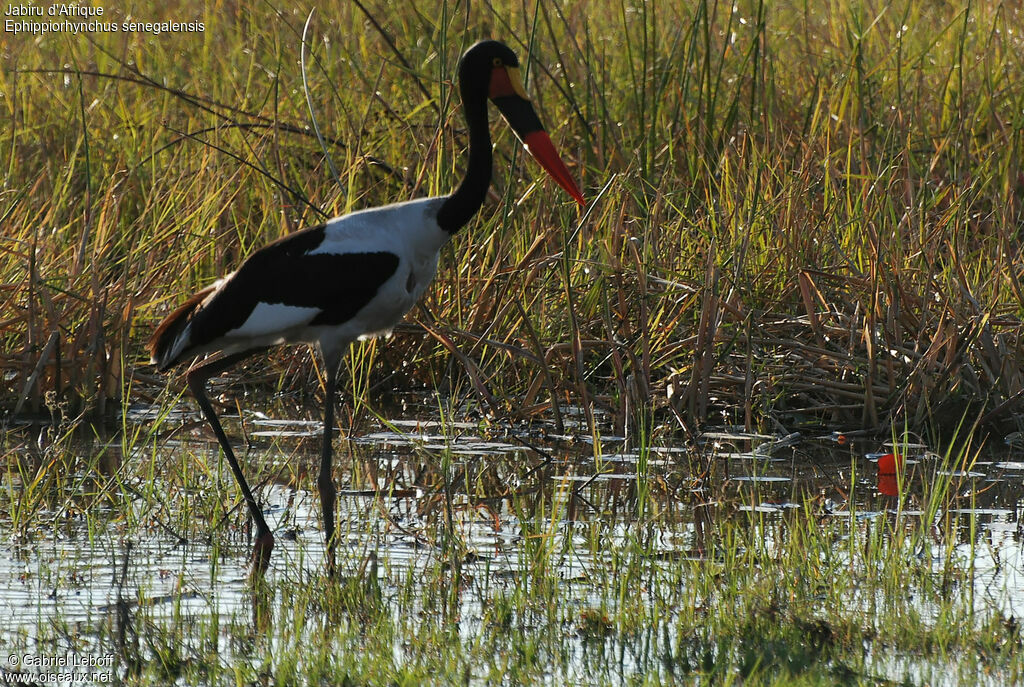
[169,341]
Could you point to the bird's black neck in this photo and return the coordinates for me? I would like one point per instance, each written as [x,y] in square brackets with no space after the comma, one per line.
[462,204]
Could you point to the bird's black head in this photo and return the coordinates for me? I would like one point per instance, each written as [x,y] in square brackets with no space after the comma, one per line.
[482,61]
[489,69]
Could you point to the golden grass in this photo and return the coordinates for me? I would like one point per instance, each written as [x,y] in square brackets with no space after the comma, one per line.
[803,213]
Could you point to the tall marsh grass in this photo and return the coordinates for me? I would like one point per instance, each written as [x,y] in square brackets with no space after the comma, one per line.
[803,212]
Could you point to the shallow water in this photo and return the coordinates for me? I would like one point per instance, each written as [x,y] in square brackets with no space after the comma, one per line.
[71,577]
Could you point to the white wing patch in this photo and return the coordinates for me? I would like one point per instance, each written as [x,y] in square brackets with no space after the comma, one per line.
[273,318]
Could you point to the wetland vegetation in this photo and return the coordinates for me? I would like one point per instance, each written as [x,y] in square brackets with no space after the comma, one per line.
[624,446]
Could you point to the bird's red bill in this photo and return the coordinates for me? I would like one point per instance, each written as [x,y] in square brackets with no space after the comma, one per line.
[543,150]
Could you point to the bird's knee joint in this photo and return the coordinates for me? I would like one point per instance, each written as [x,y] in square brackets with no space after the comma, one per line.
[325,483]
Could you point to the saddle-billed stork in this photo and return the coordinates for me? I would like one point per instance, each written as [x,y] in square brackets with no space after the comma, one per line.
[353,277]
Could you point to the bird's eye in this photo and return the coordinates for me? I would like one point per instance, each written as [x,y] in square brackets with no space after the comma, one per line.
[496,62]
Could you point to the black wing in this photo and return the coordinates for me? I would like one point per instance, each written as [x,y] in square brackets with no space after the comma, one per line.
[283,272]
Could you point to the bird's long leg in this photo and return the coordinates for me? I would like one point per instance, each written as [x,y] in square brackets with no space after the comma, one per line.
[325,480]
[197,376]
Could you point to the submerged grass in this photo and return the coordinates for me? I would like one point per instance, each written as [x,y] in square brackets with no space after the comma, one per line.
[452,576]
[804,213]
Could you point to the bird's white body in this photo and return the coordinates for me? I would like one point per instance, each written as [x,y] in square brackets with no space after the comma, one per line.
[404,237]
[408,230]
